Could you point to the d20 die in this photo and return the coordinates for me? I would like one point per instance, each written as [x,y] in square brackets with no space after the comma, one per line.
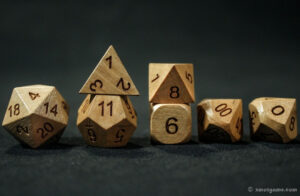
[273,119]
[170,123]
[106,121]
[220,120]
[171,83]
[36,115]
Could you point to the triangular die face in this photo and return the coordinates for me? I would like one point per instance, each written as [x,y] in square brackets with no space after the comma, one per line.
[172,90]
[44,128]
[186,72]
[53,107]
[157,74]
[21,130]
[34,95]
[109,77]
[16,109]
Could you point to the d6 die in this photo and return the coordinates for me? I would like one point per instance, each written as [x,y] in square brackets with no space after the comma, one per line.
[170,123]
[36,115]
[273,119]
[220,120]
[106,121]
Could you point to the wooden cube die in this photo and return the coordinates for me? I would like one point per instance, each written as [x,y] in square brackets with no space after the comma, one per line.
[170,123]
[171,83]
[273,119]
[106,121]
[220,120]
[36,115]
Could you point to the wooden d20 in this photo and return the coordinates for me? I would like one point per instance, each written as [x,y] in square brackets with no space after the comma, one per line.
[171,83]
[220,120]
[170,123]
[106,121]
[273,119]
[36,115]
[109,77]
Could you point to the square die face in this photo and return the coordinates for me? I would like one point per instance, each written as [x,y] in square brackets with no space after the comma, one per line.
[171,123]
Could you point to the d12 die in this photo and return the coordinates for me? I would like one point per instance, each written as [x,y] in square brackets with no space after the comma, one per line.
[171,83]
[170,123]
[220,120]
[106,121]
[273,119]
[36,115]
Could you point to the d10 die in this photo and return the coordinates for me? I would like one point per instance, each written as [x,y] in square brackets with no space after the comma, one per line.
[170,123]
[171,83]
[36,115]
[220,120]
[106,121]
[273,119]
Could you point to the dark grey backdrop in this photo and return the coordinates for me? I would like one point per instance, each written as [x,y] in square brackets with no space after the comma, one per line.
[242,49]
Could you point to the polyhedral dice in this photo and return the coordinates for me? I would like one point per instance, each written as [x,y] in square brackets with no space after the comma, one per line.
[106,120]
[170,123]
[171,83]
[273,119]
[220,120]
[36,115]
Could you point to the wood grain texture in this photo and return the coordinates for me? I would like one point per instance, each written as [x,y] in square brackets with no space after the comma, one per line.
[170,123]
[109,77]
[106,121]
[171,83]
[220,120]
[273,119]
[35,114]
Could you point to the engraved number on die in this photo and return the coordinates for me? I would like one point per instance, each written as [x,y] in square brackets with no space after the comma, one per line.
[14,110]
[277,110]
[174,92]
[174,126]
[119,135]
[45,130]
[92,135]
[97,83]
[223,109]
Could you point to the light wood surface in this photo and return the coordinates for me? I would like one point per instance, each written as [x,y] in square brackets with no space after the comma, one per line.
[273,119]
[171,83]
[220,120]
[109,77]
[106,120]
[35,114]
[170,123]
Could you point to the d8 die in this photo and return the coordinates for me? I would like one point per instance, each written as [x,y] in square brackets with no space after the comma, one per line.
[220,120]
[171,83]
[273,119]
[170,123]
[36,115]
[106,121]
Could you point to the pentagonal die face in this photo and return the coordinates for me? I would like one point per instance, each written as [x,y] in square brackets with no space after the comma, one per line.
[106,121]
[36,115]
[273,119]
[220,120]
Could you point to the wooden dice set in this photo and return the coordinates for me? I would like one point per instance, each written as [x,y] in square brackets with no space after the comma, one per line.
[37,115]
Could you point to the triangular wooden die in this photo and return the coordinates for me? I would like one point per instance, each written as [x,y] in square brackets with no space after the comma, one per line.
[109,77]
[171,83]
